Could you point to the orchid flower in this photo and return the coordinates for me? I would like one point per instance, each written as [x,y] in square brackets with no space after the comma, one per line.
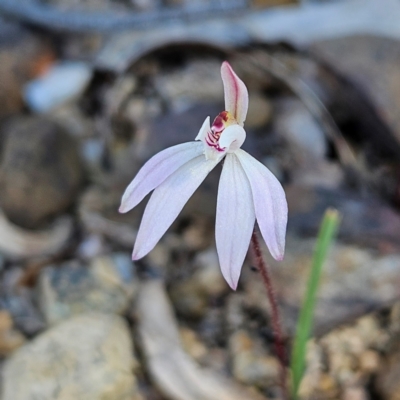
[247,191]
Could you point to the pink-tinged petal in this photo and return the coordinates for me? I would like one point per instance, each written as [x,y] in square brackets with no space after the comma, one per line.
[167,201]
[235,219]
[236,95]
[203,130]
[269,203]
[232,138]
[156,170]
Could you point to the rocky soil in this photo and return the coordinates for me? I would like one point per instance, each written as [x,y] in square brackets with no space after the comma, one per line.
[80,320]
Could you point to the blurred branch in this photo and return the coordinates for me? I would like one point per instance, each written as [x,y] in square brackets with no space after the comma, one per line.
[36,13]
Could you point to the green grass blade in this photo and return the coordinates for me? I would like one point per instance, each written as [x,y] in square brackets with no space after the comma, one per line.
[326,235]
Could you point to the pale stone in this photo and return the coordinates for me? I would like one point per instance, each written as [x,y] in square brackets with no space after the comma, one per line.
[88,357]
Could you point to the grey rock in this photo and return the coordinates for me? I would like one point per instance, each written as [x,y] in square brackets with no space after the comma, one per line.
[40,171]
[106,285]
[88,357]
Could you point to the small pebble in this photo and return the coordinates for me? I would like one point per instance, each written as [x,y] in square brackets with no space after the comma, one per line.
[63,82]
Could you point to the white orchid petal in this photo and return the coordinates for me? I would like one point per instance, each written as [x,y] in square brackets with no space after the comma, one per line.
[203,130]
[269,203]
[232,137]
[236,95]
[156,170]
[235,219]
[212,154]
[167,202]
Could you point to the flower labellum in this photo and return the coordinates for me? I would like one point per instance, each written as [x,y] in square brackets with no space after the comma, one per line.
[247,191]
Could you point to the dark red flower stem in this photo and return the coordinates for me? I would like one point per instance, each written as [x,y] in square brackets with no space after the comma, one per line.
[276,319]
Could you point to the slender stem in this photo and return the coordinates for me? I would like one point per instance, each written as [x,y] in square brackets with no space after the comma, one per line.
[276,319]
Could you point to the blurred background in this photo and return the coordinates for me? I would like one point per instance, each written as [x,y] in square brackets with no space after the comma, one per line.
[89,90]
